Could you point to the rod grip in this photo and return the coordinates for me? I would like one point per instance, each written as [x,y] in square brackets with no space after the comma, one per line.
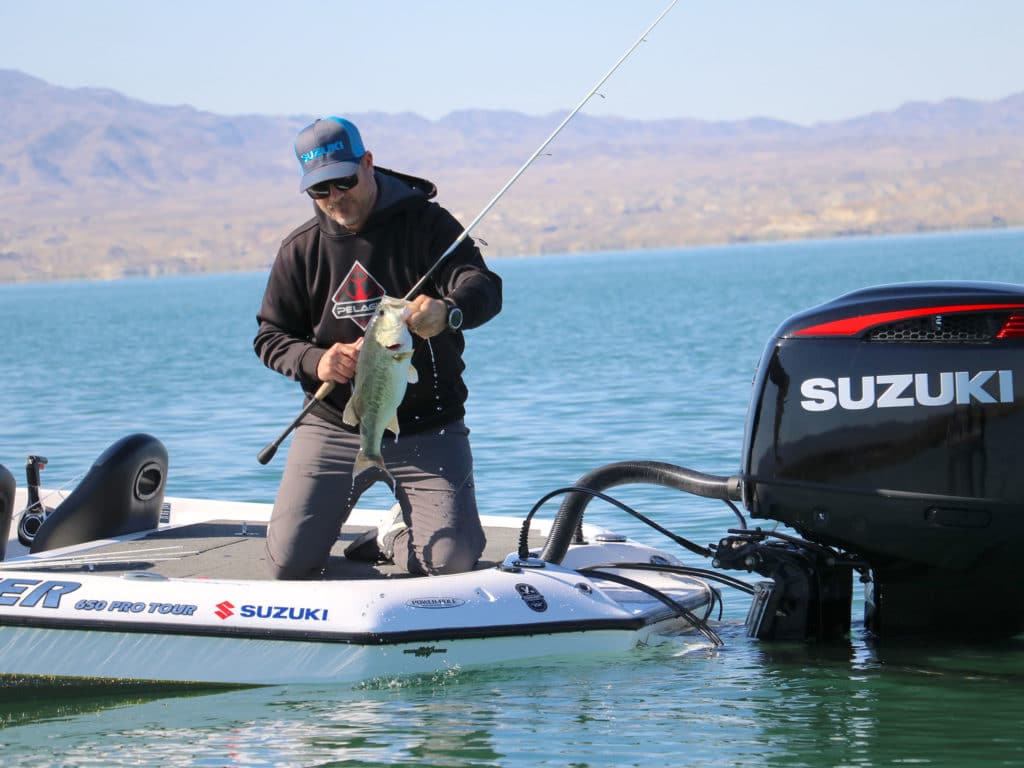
[264,456]
[325,389]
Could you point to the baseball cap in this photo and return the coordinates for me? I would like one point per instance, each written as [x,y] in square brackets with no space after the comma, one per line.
[329,148]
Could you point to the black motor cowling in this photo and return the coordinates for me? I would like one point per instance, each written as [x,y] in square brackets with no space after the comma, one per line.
[122,493]
[887,423]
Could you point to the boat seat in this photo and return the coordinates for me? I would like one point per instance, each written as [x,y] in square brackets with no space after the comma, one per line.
[121,493]
[7,488]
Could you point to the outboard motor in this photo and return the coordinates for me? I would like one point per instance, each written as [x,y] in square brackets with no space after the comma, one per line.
[7,488]
[887,424]
[123,492]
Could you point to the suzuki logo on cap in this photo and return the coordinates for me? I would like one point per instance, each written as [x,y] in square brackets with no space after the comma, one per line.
[906,390]
[313,154]
[328,140]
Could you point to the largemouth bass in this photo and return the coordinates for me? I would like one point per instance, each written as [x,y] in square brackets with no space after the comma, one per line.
[383,371]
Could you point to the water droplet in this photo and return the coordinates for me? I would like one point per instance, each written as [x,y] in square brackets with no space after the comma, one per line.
[433,364]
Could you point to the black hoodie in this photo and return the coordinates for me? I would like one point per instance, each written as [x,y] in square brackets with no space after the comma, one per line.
[327,281]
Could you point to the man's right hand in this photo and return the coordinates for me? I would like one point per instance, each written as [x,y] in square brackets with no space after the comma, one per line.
[339,362]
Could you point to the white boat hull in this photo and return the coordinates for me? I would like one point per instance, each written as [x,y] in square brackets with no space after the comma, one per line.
[60,619]
[89,656]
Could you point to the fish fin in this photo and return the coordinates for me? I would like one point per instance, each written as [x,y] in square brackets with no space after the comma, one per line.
[366,463]
[349,416]
[413,376]
[393,424]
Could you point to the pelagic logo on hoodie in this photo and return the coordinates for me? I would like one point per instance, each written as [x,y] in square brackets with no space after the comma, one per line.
[357,297]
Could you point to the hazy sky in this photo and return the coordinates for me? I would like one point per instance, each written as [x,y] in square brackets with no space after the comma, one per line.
[804,61]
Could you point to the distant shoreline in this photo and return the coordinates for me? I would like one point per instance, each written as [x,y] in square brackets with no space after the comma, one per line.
[95,185]
[946,233]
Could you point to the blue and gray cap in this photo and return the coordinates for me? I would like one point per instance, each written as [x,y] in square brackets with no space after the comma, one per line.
[329,148]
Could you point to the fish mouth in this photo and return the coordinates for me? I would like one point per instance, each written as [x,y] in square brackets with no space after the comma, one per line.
[394,347]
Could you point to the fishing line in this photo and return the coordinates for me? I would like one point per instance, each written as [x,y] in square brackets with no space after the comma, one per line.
[465,232]
[327,387]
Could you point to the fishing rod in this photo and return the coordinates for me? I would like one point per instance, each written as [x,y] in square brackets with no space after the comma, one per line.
[328,386]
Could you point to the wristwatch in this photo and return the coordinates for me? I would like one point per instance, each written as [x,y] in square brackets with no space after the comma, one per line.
[454,315]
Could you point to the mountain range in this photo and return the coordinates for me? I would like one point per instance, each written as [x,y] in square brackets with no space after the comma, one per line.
[94,184]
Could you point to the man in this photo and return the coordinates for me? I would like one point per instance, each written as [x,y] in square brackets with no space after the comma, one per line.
[374,233]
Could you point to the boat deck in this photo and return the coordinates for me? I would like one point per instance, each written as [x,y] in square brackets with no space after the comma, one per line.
[234,550]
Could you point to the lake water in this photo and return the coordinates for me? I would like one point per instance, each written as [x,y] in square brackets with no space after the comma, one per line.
[596,358]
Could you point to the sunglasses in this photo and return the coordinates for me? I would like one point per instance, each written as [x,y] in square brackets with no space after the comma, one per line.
[323,189]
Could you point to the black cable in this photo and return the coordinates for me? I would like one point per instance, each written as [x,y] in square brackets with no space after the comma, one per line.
[685,570]
[524,549]
[828,552]
[679,609]
[743,520]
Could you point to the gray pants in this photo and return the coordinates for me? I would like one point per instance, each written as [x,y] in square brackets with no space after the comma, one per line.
[433,471]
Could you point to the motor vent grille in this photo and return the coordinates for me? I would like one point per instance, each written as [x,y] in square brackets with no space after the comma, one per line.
[967,327]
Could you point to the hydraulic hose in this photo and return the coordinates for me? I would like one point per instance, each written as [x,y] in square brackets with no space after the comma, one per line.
[570,514]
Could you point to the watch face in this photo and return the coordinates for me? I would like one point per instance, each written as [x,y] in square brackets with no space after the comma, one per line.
[455,318]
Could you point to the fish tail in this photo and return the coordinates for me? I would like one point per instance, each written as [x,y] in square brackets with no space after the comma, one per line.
[366,463]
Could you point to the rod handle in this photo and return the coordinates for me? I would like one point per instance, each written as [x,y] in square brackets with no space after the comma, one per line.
[264,456]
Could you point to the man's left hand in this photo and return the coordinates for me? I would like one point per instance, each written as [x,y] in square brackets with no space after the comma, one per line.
[427,317]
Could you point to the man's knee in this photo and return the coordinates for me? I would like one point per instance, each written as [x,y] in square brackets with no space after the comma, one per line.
[445,555]
[459,560]
[289,570]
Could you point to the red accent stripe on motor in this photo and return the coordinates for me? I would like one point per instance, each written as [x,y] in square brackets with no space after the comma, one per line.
[853,326]
[1013,328]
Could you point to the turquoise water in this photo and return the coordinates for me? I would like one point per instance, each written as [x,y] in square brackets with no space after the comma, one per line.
[596,358]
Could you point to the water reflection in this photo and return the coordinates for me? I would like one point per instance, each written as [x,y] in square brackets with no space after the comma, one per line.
[866,704]
[750,704]
[32,700]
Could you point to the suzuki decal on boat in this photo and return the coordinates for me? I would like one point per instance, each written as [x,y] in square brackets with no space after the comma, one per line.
[226,610]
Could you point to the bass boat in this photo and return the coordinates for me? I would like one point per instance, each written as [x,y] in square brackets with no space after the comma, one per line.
[119,582]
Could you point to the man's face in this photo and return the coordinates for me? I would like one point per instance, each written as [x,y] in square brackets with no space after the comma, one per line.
[352,208]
